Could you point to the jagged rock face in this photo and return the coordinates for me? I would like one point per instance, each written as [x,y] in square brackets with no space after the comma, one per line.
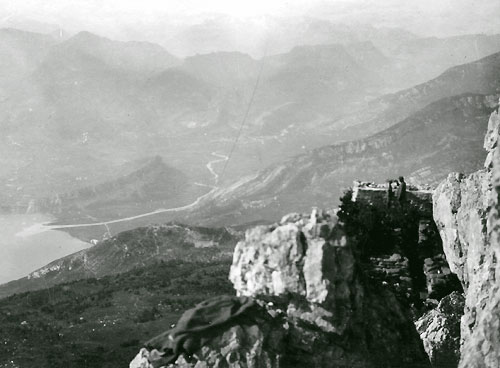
[482,346]
[466,212]
[297,259]
[253,345]
[491,138]
[460,210]
[440,331]
[322,309]
[308,266]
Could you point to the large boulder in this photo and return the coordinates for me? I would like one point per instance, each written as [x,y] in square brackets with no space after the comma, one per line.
[317,307]
[308,262]
[255,338]
[439,330]
[466,213]
[308,265]
[460,211]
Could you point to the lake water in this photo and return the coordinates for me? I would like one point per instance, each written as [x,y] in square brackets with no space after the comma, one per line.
[23,252]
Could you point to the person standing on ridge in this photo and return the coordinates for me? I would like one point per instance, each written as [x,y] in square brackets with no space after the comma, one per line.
[390,193]
[401,192]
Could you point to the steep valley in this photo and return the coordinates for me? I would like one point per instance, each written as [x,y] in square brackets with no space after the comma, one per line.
[193,184]
[444,136]
[183,110]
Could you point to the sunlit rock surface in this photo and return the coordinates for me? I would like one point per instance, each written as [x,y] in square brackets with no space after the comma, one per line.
[466,212]
[439,330]
[324,310]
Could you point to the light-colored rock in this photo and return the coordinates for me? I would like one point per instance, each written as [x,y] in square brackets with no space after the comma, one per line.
[481,348]
[291,217]
[461,206]
[270,269]
[141,360]
[460,210]
[318,308]
[491,138]
[466,213]
[245,346]
[310,268]
[310,260]
[439,330]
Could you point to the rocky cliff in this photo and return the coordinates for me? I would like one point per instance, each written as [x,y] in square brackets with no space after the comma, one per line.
[466,211]
[324,310]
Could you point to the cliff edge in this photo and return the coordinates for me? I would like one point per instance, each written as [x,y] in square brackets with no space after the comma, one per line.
[317,308]
[466,211]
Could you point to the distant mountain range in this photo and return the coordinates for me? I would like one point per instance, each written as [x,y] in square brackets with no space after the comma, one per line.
[84,111]
[21,53]
[445,136]
[81,107]
[439,54]
[481,77]
[153,185]
[430,130]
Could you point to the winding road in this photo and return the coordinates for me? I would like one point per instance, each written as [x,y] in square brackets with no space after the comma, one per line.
[38,228]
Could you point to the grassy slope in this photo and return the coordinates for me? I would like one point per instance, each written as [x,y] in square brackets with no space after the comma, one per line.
[131,249]
[102,322]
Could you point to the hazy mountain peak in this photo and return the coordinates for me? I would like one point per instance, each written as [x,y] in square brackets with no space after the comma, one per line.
[317,50]
[220,54]
[224,67]
[25,38]
[135,56]
[331,55]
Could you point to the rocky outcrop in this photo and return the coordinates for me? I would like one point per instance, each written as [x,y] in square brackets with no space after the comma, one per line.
[439,330]
[326,312]
[460,211]
[482,346]
[254,345]
[466,212]
[307,261]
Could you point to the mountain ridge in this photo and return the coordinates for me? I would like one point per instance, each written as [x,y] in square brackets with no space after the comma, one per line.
[450,129]
[139,247]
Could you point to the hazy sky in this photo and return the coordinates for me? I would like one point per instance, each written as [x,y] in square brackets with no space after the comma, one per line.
[144,7]
[111,17]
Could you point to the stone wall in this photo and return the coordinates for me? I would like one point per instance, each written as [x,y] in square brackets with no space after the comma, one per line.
[438,276]
[376,194]
[433,280]
[393,271]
